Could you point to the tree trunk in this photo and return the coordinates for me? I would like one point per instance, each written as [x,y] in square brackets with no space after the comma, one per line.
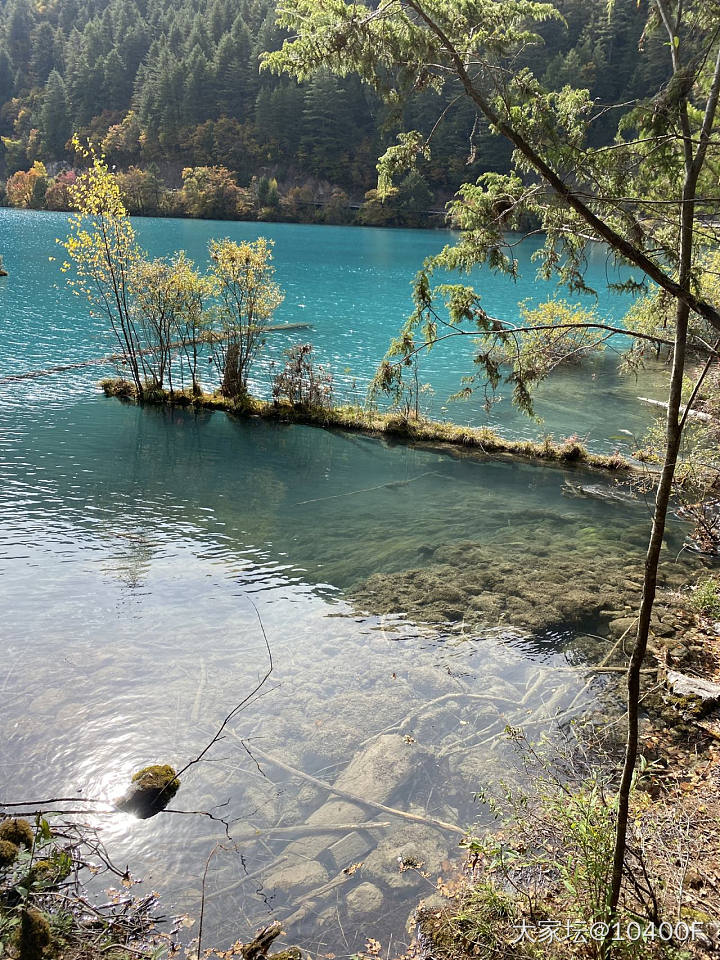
[652,559]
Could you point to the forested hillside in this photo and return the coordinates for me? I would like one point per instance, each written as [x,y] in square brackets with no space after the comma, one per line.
[167,88]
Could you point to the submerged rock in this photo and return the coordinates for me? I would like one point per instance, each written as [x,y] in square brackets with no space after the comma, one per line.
[151,790]
[299,877]
[364,901]
[401,860]
[388,762]
[542,580]
[350,849]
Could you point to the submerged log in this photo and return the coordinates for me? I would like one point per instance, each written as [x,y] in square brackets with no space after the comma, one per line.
[377,782]
[693,414]
[122,357]
[597,491]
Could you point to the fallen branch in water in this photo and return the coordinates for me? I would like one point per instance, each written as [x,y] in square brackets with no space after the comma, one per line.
[346,795]
[265,868]
[459,695]
[424,707]
[693,414]
[309,829]
[614,669]
[307,901]
[122,357]
[603,663]
[472,740]
[390,485]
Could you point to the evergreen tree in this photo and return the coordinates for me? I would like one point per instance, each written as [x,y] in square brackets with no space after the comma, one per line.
[43,58]
[17,34]
[55,123]
[197,102]
[176,65]
[7,80]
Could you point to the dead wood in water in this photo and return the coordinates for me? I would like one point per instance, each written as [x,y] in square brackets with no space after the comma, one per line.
[685,411]
[307,902]
[122,357]
[258,947]
[308,829]
[353,798]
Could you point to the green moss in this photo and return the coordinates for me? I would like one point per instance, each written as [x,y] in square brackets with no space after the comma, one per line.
[17,831]
[151,789]
[158,775]
[8,852]
[117,387]
[476,924]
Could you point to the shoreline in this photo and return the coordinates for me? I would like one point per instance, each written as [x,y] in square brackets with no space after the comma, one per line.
[160,215]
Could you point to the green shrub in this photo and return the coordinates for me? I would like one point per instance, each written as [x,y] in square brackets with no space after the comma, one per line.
[706,598]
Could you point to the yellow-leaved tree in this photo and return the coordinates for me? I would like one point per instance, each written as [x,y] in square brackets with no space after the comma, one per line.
[103,250]
[157,309]
[249,296]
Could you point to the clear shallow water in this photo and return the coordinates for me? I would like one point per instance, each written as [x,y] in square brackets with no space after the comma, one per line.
[353,286]
[130,541]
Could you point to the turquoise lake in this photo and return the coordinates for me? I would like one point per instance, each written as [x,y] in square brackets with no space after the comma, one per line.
[420,595]
[353,287]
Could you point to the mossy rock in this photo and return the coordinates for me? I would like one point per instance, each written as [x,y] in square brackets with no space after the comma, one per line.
[34,936]
[151,790]
[8,853]
[18,832]
[51,871]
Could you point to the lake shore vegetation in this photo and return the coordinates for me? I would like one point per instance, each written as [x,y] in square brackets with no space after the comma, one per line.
[374,422]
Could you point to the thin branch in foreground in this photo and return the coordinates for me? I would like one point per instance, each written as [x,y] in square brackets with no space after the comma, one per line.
[202,898]
[238,707]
